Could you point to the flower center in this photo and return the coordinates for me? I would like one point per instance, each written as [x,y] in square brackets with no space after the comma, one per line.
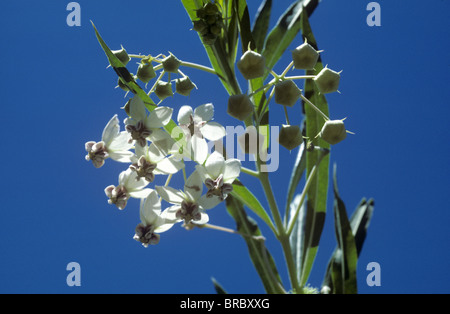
[117,195]
[218,188]
[188,211]
[144,169]
[146,235]
[139,133]
[97,152]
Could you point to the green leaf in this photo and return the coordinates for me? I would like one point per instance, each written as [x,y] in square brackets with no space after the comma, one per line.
[346,243]
[341,271]
[284,32]
[318,191]
[260,256]
[360,222]
[261,25]
[123,73]
[244,24]
[219,289]
[297,237]
[248,199]
[297,172]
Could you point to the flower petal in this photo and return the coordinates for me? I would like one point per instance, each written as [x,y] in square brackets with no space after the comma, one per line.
[215,165]
[184,115]
[232,170]
[204,113]
[213,131]
[137,109]
[159,117]
[170,165]
[209,202]
[170,195]
[193,186]
[120,142]
[140,193]
[111,130]
[199,148]
[122,156]
[150,209]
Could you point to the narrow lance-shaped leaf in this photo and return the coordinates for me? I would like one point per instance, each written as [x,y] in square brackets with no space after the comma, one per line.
[359,223]
[123,72]
[346,279]
[261,25]
[318,191]
[284,32]
[297,172]
[218,287]
[247,198]
[260,256]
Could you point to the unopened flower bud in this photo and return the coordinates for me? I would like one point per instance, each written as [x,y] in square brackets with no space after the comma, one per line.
[251,65]
[305,57]
[200,26]
[171,64]
[163,90]
[287,93]
[184,86]
[327,81]
[290,136]
[145,72]
[333,131]
[240,106]
[122,55]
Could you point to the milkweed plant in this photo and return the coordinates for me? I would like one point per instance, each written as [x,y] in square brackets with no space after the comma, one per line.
[157,140]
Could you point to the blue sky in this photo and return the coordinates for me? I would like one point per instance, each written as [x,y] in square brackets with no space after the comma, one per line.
[57,94]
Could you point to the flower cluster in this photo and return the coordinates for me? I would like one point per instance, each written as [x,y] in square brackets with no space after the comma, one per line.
[150,150]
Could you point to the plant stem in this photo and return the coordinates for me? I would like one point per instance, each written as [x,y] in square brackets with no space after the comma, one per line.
[282,236]
[250,172]
[314,107]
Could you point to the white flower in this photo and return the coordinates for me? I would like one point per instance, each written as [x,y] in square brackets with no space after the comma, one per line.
[128,187]
[153,159]
[189,205]
[197,126]
[114,145]
[218,175]
[140,126]
[152,221]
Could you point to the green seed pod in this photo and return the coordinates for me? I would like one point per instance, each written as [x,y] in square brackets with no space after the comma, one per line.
[305,57]
[287,93]
[184,86]
[333,131]
[327,81]
[163,90]
[145,72]
[171,64]
[290,136]
[122,55]
[240,106]
[251,65]
[122,85]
